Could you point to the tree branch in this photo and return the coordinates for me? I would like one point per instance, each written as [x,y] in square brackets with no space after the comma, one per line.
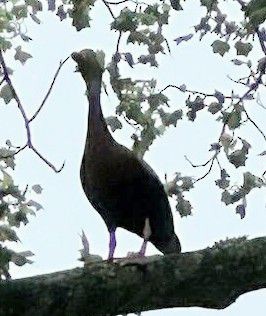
[211,278]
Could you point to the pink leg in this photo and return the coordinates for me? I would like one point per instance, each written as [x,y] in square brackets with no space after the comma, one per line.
[112,245]
[143,248]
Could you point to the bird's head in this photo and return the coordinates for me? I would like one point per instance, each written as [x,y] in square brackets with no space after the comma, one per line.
[90,64]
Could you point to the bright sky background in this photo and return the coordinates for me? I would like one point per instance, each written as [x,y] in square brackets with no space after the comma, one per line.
[60,129]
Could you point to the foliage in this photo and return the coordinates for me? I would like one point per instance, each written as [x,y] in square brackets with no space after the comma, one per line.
[142,103]
[15,208]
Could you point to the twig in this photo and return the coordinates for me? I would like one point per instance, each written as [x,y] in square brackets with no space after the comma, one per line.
[118,41]
[208,172]
[49,90]
[255,124]
[26,120]
[195,92]
[197,166]
[2,81]
[262,43]
[109,9]
[47,162]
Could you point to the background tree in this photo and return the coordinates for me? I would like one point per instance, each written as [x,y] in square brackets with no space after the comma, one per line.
[144,103]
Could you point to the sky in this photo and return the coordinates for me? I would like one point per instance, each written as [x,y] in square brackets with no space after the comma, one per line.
[60,129]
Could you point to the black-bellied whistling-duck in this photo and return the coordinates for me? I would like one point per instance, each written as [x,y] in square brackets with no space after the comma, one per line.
[124,189]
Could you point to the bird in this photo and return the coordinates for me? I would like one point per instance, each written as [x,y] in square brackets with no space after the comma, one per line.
[122,187]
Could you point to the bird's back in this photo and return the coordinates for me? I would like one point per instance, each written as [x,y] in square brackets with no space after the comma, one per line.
[125,191]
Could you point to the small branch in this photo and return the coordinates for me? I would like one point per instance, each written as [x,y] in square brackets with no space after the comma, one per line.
[197,166]
[47,162]
[118,41]
[262,43]
[49,90]
[26,120]
[195,92]
[209,170]
[255,124]
[109,9]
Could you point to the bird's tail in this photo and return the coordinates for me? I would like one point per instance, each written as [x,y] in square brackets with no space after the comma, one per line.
[171,245]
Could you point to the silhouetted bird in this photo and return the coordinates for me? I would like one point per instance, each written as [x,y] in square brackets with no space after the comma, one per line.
[121,187]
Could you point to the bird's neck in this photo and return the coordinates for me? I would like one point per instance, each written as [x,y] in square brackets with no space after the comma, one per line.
[97,129]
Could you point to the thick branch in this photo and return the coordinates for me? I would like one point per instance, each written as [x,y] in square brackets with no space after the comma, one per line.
[212,278]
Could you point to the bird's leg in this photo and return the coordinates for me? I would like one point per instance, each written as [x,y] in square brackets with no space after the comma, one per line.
[112,245]
[146,236]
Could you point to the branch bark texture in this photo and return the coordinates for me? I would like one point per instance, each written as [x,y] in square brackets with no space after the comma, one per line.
[211,278]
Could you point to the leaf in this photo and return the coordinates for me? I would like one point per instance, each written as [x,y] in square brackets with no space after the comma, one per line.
[35,18]
[4,44]
[251,182]
[220,47]
[219,96]
[241,210]
[176,5]
[61,13]
[21,55]
[37,188]
[20,11]
[34,204]
[215,107]
[6,93]
[223,182]
[7,180]
[238,157]
[6,233]
[256,11]
[170,118]
[262,153]
[80,13]
[243,48]
[19,259]
[180,39]
[209,4]
[114,123]
[232,119]
[237,62]
[126,21]
[51,5]
[183,88]
[183,206]
[226,197]
[129,59]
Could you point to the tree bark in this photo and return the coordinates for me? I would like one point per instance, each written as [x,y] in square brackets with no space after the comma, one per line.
[211,278]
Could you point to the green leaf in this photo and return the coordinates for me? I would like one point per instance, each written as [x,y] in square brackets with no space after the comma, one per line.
[232,119]
[176,5]
[209,4]
[7,180]
[6,233]
[226,197]
[251,182]
[113,122]
[80,13]
[243,48]
[4,44]
[220,47]
[238,157]
[20,11]
[6,93]
[215,107]
[126,21]
[256,11]
[183,206]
